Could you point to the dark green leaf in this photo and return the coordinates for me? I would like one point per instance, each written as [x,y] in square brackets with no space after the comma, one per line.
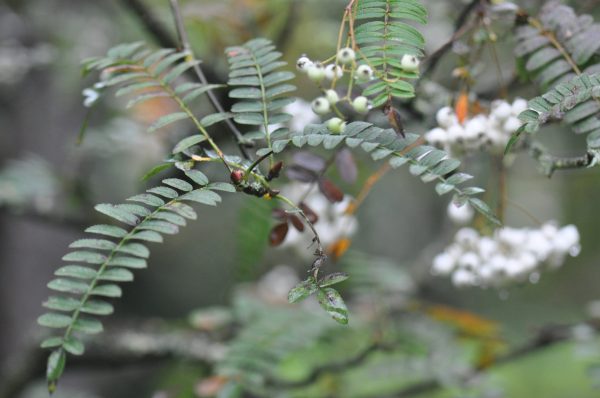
[331,301]
[332,279]
[302,290]
[166,120]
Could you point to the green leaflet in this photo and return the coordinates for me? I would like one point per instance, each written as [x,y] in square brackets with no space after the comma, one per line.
[569,96]
[429,163]
[575,101]
[111,259]
[259,85]
[384,35]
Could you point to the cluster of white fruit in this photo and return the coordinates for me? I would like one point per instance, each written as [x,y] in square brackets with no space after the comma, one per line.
[510,255]
[317,72]
[488,132]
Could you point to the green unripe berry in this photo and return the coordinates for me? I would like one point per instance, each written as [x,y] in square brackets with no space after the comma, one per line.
[332,97]
[361,104]
[336,125]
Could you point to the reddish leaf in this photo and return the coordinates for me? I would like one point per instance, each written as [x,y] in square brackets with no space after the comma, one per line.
[296,222]
[309,213]
[278,234]
[309,161]
[330,190]
[346,165]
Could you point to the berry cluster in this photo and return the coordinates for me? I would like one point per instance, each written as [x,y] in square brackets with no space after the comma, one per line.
[510,255]
[345,62]
[481,132]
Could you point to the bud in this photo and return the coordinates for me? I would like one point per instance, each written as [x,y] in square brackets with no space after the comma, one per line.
[237,176]
[275,170]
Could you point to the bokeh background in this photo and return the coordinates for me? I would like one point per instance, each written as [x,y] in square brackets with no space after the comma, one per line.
[49,184]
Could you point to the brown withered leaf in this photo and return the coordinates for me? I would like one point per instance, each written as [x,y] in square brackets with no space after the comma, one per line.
[309,213]
[278,234]
[296,222]
[394,119]
[330,190]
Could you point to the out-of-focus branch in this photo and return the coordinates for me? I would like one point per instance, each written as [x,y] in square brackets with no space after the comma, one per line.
[335,367]
[155,27]
[49,218]
[544,338]
[185,46]
[460,27]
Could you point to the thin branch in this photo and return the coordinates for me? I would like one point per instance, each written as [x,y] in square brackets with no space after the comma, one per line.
[186,47]
[549,163]
[554,41]
[335,367]
[460,28]
[151,23]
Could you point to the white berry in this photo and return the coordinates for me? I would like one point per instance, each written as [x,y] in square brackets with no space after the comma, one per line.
[333,72]
[303,64]
[445,117]
[346,55]
[512,124]
[437,136]
[332,96]
[519,105]
[320,106]
[501,109]
[364,73]
[361,104]
[460,215]
[410,63]
[443,264]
